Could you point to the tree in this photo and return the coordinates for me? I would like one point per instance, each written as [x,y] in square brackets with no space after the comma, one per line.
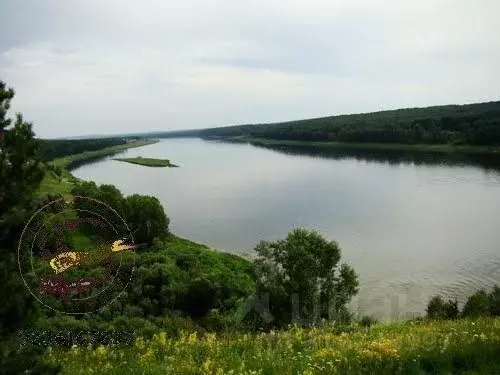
[495,301]
[479,304]
[145,217]
[437,308]
[20,174]
[302,278]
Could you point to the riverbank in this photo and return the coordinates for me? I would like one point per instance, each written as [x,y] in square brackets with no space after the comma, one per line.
[59,180]
[148,162]
[68,161]
[439,148]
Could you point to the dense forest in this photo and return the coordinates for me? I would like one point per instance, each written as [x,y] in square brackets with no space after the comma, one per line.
[474,124]
[50,149]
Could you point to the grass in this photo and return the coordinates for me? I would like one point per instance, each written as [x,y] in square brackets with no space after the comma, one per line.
[59,181]
[55,185]
[149,162]
[66,161]
[440,347]
[371,146]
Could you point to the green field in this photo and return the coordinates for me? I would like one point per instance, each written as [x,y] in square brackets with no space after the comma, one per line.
[440,347]
[149,162]
[442,148]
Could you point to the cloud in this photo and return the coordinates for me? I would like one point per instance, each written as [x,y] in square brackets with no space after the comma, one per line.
[121,66]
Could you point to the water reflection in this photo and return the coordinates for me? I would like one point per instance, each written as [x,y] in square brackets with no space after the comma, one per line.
[74,164]
[487,162]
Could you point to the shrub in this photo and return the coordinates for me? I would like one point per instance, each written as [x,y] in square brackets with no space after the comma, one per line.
[479,304]
[439,309]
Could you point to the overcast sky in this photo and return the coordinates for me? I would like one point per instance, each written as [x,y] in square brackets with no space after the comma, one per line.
[113,66]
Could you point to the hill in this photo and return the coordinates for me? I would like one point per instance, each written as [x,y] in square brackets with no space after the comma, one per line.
[473,124]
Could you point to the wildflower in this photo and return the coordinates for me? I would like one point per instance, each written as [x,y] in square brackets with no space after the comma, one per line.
[192,338]
[160,338]
[100,351]
[139,343]
[325,353]
[210,338]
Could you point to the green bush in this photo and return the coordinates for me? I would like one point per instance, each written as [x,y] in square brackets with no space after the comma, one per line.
[367,321]
[479,304]
[439,309]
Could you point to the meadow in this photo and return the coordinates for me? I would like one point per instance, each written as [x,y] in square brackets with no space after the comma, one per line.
[437,347]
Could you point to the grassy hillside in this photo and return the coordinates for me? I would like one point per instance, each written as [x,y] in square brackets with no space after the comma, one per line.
[441,347]
[58,180]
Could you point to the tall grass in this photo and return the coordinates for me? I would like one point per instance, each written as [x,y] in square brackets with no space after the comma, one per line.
[461,346]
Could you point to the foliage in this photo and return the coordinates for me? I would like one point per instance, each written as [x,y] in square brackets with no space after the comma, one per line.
[302,279]
[73,161]
[146,217]
[495,301]
[56,148]
[479,304]
[178,285]
[475,124]
[367,321]
[20,175]
[439,309]
[439,347]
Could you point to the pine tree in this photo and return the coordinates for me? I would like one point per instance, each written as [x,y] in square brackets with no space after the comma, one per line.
[20,174]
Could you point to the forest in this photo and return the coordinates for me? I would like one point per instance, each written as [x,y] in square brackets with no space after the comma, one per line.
[470,124]
[50,149]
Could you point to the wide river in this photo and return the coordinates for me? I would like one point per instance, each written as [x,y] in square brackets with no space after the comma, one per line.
[411,225]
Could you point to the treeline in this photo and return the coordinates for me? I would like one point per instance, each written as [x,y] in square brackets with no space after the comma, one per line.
[475,124]
[50,149]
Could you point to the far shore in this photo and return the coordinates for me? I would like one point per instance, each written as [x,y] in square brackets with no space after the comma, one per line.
[444,148]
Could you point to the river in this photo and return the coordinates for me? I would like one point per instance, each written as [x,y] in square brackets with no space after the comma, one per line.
[412,225]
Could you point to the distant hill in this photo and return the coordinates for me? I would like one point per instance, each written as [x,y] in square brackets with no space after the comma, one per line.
[477,124]
[469,124]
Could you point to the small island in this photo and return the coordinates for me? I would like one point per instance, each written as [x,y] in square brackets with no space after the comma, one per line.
[149,162]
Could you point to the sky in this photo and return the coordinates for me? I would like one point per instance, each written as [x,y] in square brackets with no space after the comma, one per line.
[85,67]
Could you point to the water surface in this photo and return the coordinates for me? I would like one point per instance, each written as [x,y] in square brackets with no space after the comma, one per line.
[412,225]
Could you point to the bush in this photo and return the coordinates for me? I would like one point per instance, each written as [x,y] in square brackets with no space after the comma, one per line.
[495,301]
[439,309]
[367,321]
[479,304]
